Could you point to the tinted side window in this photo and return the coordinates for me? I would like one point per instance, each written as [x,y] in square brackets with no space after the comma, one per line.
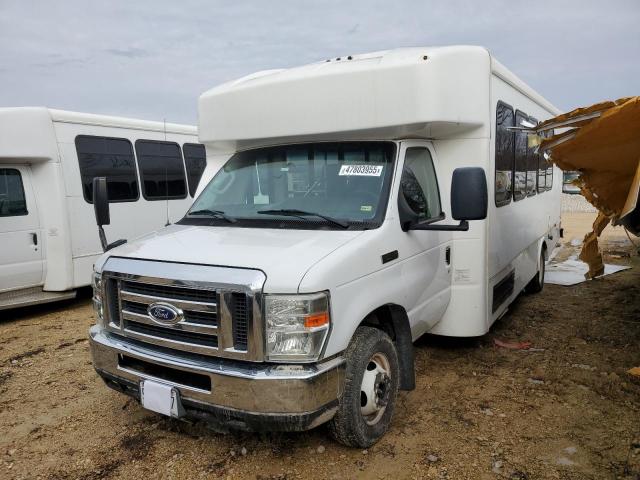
[161,170]
[419,183]
[532,165]
[195,160]
[111,158]
[520,168]
[504,154]
[542,170]
[549,165]
[12,201]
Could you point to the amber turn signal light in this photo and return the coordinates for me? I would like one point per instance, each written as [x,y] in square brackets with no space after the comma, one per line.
[316,320]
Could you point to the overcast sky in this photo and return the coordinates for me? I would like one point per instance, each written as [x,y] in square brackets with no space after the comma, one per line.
[152,59]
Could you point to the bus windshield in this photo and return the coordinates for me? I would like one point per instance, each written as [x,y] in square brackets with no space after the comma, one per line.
[329,185]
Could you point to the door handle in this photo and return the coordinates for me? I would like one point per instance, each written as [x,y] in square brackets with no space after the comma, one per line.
[34,239]
[447,255]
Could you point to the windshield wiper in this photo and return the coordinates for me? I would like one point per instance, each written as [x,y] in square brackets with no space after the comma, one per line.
[212,213]
[292,212]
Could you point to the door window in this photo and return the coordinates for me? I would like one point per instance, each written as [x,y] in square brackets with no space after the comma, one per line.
[419,184]
[12,201]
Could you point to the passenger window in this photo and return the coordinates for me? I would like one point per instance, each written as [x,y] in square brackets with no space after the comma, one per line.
[532,165]
[542,170]
[545,169]
[419,184]
[549,165]
[161,170]
[520,169]
[504,154]
[12,201]
[111,158]
[195,160]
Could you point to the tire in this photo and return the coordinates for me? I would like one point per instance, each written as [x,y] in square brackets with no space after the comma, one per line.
[372,366]
[537,282]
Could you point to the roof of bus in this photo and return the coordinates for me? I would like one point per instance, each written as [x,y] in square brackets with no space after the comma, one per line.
[101,120]
[390,93]
[108,120]
[396,57]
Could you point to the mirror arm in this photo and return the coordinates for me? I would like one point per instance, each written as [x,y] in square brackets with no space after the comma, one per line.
[108,246]
[463,226]
[117,243]
[103,239]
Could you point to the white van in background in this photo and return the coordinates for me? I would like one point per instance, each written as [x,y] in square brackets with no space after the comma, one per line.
[48,159]
[358,204]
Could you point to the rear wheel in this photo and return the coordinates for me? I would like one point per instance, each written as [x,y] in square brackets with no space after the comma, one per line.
[371,386]
[537,282]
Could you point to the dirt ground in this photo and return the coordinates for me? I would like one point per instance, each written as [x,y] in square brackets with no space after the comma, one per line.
[566,409]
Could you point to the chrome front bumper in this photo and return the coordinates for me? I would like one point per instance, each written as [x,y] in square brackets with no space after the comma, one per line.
[230,393]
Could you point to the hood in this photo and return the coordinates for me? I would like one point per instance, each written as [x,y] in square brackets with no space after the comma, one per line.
[283,255]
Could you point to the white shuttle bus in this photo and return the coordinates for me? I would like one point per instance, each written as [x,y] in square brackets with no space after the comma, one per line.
[48,159]
[360,203]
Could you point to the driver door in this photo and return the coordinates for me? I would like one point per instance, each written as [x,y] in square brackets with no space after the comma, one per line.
[429,268]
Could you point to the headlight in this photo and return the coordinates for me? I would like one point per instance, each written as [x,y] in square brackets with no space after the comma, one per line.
[96,283]
[297,326]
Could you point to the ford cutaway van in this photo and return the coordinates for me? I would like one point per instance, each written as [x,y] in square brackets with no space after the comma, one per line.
[358,204]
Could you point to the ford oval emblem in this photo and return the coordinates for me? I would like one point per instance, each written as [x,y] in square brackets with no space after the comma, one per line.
[165,313]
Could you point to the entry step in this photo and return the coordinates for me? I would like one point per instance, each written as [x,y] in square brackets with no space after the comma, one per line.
[31,296]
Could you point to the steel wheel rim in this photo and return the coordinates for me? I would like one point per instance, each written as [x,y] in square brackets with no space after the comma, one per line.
[375,388]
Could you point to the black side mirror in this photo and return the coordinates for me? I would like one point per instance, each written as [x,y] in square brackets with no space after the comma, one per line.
[101,210]
[469,194]
[468,201]
[101,201]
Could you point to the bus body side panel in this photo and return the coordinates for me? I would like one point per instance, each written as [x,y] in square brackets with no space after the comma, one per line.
[465,315]
[130,219]
[56,235]
[519,228]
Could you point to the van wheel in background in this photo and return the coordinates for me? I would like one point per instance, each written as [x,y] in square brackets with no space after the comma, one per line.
[537,282]
[371,386]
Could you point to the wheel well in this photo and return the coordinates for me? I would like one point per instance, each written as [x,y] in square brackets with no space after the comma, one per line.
[393,320]
[381,319]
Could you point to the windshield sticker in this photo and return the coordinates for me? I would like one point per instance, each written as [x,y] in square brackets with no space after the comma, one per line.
[365,208]
[261,199]
[361,170]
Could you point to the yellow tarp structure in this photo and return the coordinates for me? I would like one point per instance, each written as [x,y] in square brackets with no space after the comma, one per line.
[603,144]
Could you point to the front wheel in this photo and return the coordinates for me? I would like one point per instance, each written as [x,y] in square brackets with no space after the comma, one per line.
[371,386]
[537,282]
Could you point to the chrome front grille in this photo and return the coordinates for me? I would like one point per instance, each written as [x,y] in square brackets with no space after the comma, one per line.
[199,328]
[219,318]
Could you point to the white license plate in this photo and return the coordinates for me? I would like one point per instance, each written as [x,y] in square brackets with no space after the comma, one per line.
[160,398]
